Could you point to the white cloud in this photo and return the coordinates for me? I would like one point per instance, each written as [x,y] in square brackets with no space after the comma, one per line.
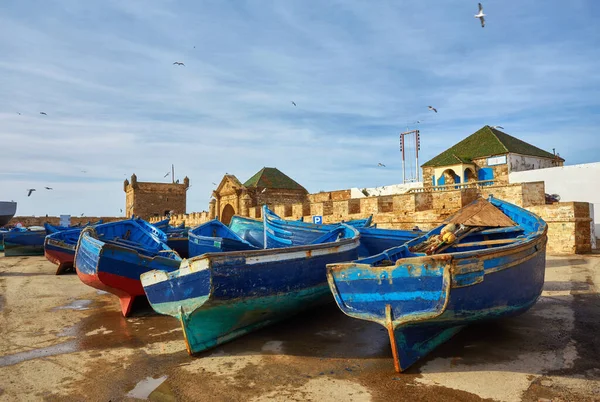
[358,72]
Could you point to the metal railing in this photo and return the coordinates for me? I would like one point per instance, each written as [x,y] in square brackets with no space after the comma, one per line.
[452,187]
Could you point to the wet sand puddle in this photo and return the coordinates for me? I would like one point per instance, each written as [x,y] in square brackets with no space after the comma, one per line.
[103,330]
[75,305]
[144,388]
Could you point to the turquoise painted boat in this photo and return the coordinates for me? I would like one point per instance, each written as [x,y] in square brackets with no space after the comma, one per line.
[218,297]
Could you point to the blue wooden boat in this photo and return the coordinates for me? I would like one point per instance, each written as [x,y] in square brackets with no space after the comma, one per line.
[162,225]
[218,297]
[2,233]
[425,291]
[54,228]
[24,241]
[59,248]
[213,236]
[372,240]
[112,256]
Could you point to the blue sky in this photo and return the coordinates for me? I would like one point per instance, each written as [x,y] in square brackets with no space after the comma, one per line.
[358,71]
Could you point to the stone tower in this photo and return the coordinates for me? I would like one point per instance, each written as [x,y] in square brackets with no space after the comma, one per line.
[146,199]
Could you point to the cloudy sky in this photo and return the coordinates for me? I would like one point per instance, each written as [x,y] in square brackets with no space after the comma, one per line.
[360,72]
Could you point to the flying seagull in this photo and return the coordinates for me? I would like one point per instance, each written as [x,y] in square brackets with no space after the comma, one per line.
[380,164]
[44,113]
[498,127]
[481,15]
[293,103]
[48,188]
[84,171]
[29,191]
[168,173]
[178,63]
[19,113]
[432,108]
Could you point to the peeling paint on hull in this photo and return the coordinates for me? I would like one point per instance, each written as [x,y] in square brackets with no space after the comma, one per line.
[218,297]
[424,300]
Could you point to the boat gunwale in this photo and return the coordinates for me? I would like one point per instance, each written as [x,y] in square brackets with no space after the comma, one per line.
[103,246]
[281,250]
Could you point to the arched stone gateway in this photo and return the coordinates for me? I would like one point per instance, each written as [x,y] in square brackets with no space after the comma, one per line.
[227,214]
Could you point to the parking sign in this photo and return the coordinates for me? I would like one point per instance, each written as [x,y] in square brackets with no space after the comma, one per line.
[317,219]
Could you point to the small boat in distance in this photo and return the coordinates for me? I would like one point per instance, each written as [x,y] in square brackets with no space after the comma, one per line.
[486,262]
[24,241]
[112,256]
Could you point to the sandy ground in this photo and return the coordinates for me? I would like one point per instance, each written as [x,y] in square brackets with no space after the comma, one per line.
[61,340]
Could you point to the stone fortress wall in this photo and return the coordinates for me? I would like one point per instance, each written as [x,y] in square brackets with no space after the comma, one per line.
[568,222]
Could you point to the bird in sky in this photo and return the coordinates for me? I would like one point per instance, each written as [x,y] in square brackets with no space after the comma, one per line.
[29,191]
[481,15]
[178,63]
[168,173]
[432,108]
[380,164]
[293,103]
[44,113]
[48,188]
[121,209]
[500,127]
[19,113]
[214,183]
[84,171]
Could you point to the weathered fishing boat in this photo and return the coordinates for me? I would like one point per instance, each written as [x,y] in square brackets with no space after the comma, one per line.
[213,236]
[218,297]
[162,225]
[425,291]
[53,228]
[24,241]
[112,256]
[59,248]
[372,240]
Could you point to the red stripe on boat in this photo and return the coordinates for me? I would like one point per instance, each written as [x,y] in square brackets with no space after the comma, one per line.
[126,289]
[59,257]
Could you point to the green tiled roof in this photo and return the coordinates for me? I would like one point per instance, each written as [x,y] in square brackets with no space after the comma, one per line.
[487,141]
[272,178]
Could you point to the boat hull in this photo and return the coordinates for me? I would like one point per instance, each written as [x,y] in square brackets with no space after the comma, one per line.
[116,269]
[24,243]
[60,254]
[424,303]
[7,211]
[461,309]
[220,297]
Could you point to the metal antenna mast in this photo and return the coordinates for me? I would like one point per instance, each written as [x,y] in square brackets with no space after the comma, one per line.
[407,148]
